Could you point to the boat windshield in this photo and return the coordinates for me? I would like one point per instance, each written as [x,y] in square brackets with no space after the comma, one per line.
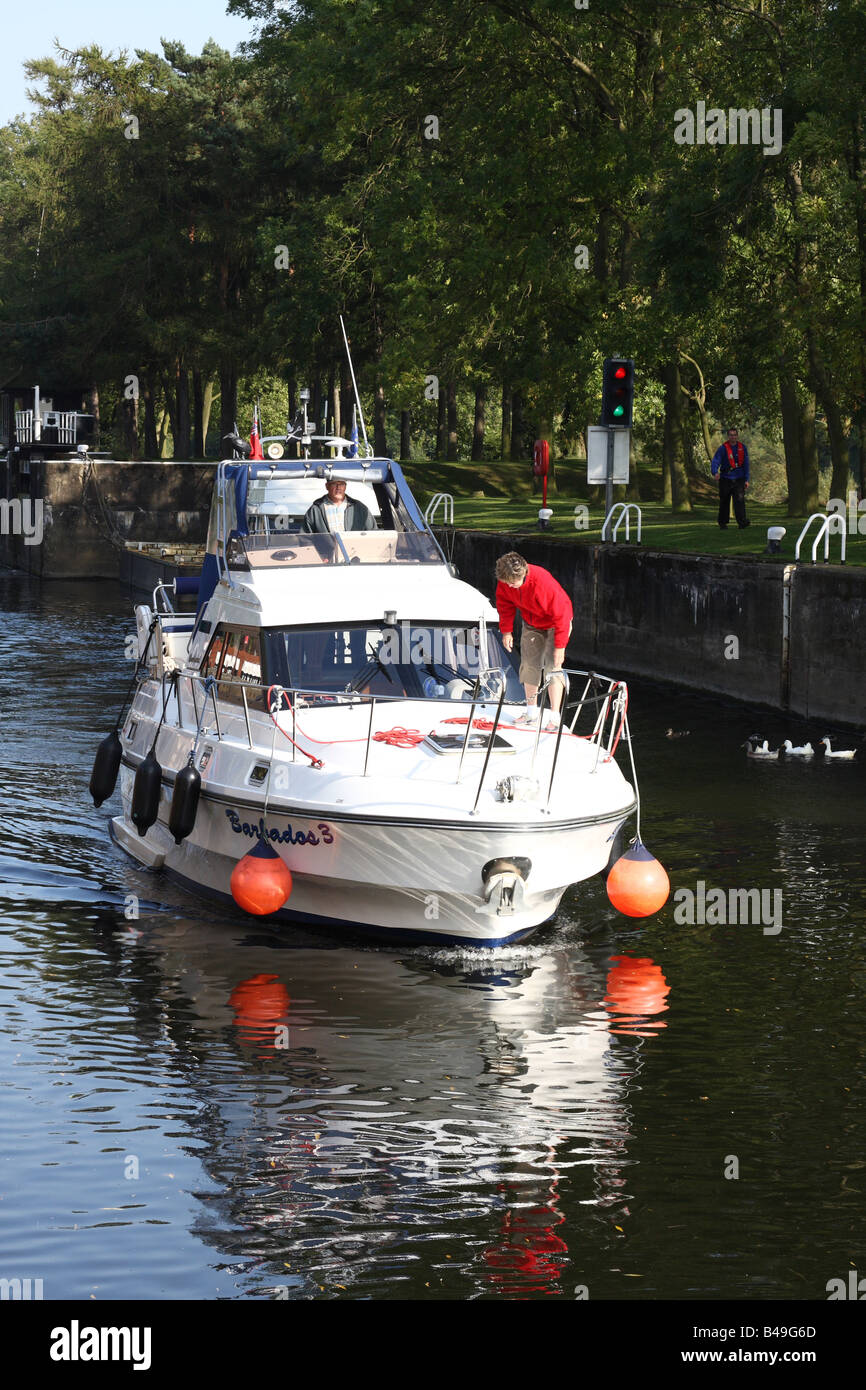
[274,551]
[407,659]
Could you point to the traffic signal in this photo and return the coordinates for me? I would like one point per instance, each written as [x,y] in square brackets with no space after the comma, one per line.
[617,392]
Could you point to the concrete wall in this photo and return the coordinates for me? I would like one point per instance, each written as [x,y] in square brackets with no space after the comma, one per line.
[89,507]
[798,630]
[828,643]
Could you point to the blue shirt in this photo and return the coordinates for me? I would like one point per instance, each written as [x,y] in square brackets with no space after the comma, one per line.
[721,461]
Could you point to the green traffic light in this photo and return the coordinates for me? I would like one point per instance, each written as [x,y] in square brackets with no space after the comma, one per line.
[618,410]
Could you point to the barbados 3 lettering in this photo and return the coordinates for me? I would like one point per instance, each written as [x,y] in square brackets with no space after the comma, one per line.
[255,830]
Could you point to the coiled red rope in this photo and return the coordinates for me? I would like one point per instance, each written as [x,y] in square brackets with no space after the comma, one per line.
[399,737]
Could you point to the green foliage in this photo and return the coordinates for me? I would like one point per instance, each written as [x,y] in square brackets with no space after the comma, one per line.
[432,175]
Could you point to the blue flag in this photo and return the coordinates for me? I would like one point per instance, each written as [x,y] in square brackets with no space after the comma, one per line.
[353,452]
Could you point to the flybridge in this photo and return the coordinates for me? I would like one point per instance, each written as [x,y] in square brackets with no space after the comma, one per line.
[258,510]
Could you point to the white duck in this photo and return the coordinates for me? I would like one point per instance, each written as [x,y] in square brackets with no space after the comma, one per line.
[807,751]
[759,750]
[842,753]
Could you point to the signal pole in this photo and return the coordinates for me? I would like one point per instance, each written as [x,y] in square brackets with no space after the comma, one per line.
[617,404]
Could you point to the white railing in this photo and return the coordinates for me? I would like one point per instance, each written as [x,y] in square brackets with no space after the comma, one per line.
[827,523]
[604,699]
[24,426]
[444,500]
[63,421]
[624,509]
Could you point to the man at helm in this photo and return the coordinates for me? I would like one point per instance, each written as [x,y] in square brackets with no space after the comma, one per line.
[337,512]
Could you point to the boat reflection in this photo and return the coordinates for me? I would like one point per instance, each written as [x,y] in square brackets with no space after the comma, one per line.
[436,1113]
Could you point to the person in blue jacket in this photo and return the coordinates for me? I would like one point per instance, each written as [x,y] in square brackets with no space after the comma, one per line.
[731,462]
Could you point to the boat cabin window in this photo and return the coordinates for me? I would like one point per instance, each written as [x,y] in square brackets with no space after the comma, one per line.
[234,658]
[409,659]
[211,663]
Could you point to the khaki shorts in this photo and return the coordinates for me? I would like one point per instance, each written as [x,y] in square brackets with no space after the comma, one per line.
[536,654]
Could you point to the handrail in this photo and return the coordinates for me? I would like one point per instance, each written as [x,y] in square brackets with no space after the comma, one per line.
[624,509]
[168,610]
[446,501]
[609,700]
[827,523]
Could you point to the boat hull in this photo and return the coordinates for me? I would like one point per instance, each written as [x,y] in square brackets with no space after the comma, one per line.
[399,878]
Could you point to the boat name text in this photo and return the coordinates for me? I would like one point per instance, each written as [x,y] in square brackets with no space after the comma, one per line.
[283,837]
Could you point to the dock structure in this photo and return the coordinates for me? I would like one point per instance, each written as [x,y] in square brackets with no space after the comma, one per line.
[91,512]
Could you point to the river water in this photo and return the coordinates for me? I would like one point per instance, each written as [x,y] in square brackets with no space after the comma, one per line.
[196,1105]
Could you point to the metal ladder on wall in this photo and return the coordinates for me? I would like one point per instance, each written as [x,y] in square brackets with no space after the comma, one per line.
[828,522]
[624,509]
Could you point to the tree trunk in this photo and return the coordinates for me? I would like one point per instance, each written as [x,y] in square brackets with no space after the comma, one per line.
[835,428]
[338,410]
[206,408]
[859,185]
[478,427]
[632,492]
[694,472]
[517,445]
[332,390]
[405,437]
[347,397]
[151,443]
[169,388]
[197,414]
[809,453]
[838,448]
[601,247]
[162,432]
[129,426]
[451,392]
[667,493]
[673,439]
[93,409]
[505,431]
[791,438]
[441,426]
[228,401]
[380,443]
[182,443]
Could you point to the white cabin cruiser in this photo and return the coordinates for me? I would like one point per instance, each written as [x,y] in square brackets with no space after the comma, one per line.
[345,702]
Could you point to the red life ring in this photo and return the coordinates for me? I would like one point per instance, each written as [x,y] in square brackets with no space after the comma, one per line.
[541,458]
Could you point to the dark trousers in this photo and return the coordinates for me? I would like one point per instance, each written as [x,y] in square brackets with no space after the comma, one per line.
[732,488]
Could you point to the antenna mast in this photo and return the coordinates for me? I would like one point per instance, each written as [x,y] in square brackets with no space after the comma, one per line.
[355,387]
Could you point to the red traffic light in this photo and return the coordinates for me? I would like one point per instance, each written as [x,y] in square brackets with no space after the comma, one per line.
[620,373]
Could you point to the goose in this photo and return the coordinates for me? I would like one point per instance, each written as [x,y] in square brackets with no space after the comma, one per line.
[842,753]
[759,750]
[807,751]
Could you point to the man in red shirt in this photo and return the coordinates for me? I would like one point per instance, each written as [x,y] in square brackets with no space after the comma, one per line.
[547,616]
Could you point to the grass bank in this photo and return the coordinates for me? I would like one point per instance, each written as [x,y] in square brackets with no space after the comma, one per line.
[499,497]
